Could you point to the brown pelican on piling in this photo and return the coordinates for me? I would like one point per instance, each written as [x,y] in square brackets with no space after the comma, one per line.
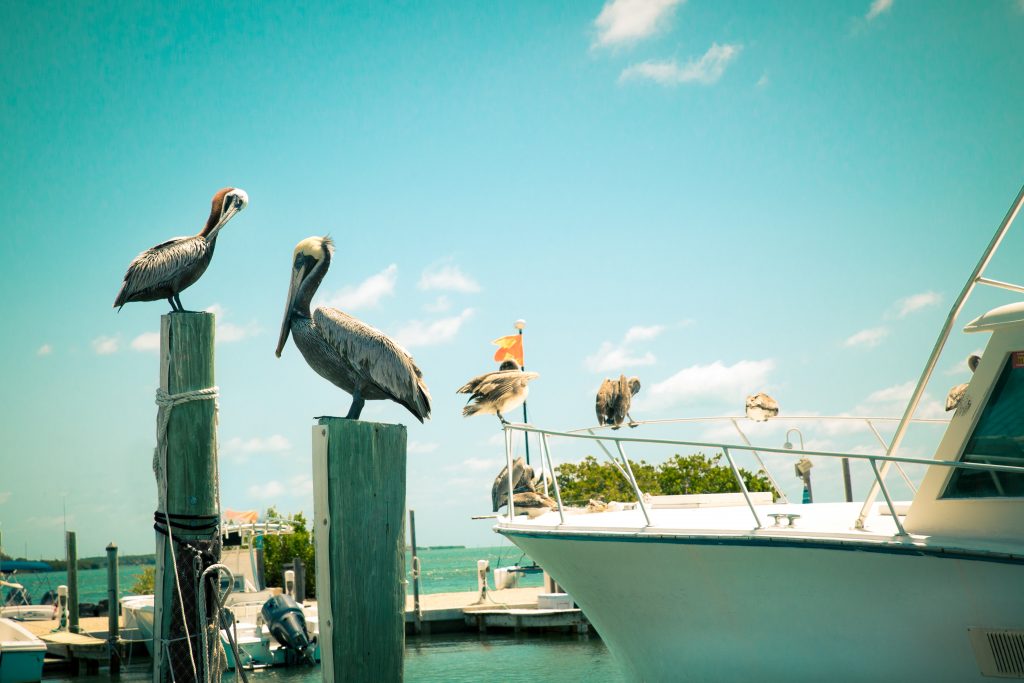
[497,392]
[163,271]
[348,353]
[613,401]
[956,394]
[761,407]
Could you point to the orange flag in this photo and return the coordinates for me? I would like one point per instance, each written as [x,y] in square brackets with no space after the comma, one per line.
[509,347]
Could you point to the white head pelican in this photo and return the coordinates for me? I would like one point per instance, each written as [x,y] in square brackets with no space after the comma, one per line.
[163,271]
[346,352]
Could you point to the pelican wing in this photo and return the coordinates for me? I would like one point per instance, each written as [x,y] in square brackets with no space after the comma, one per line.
[494,385]
[158,265]
[375,357]
[605,397]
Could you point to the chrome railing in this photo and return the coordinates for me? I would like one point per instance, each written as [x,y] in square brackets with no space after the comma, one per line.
[622,464]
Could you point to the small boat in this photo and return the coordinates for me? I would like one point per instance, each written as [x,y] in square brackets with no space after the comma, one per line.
[738,586]
[21,654]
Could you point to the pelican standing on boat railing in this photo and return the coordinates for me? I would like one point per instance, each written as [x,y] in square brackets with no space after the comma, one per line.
[613,401]
[167,269]
[498,392]
[761,407]
[343,350]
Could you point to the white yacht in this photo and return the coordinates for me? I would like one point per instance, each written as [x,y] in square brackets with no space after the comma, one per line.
[730,587]
[21,654]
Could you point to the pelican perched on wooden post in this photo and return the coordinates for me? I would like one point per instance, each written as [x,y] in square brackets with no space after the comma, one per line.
[956,394]
[347,352]
[167,269]
[760,407]
[497,392]
[613,401]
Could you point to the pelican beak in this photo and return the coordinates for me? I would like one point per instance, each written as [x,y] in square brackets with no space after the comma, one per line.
[298,274]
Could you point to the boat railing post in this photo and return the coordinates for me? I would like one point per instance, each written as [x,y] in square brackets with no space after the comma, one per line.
[554,479]
[743,486]
[885,494]
[764,468]
[608,453]
[508,461]
[632,480]
[899,467]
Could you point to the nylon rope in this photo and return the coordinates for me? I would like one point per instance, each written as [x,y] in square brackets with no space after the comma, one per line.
[166,403]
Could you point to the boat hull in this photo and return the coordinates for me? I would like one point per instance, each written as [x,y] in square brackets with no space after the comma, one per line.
[691,608]
[21,654]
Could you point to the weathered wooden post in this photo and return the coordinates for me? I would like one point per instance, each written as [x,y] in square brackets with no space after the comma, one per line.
[113,611]
[300,578]
[72,556]
[416,612]
[359,513]
[189,507]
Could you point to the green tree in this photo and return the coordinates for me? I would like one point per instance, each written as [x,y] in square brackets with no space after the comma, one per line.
[282,549]
[145,583]
[697,473]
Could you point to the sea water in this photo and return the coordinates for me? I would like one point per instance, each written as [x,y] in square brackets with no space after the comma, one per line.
[536,658]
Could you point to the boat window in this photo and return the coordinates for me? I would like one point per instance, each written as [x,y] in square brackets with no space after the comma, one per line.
[998,439]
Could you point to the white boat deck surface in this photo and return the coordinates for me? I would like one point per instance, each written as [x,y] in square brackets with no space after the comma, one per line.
[822,522]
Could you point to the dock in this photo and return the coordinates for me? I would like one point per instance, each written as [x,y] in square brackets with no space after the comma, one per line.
[79,653]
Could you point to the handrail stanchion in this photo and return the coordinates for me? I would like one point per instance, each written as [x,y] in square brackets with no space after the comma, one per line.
[764,468]
[611,457]
[899,467]
[632,481]
[885,493]
[743,487]
[933,359]
[508,460]
[554,479]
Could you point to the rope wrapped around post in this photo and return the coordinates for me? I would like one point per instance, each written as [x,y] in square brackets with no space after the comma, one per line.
[166,403]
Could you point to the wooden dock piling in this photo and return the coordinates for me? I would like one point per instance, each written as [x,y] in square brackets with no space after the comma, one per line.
[72,558]
[192,503]
[113,610]
[359,501]
[417,612]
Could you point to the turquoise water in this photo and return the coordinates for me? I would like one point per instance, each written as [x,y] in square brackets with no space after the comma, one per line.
[447,570]
[454,658]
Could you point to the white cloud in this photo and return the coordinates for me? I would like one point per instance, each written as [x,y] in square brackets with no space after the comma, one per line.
[715,381]
[275,443]
[447,278]
[367,293]
[4,496]
[268,489]
[878,7]
[44,350]
[870,337]
[106,345]
[763,81]
[422,447]
[419,333]
[898,392]
[231,332]
[611,357]
[439,305]
[905,307]
[147,341]
[482,464]
[706,70]
[641,333]
[627,21]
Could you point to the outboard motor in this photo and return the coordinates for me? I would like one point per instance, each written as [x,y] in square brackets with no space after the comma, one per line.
[287,623]
[49,598]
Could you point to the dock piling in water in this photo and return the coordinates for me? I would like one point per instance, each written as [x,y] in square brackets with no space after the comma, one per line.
[190,506]
[72,557]
[359,515]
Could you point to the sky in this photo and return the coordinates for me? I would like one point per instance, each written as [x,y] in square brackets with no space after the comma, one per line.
[718,197]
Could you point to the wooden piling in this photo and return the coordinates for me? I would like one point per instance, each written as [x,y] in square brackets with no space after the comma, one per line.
[359,511]
[186,364]
[300,578]
[72,557]
[416,611]
[113,610]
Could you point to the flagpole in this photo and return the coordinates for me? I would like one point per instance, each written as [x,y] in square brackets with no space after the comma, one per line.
[519,325]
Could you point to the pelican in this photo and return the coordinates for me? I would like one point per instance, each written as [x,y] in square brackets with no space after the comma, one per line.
[613,399]
[956,394]
[522,481]
[347,352]
[761,407]
[497,392]
[533,503]
[163,271]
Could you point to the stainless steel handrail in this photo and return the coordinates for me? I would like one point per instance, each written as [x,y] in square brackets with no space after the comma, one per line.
[727,449]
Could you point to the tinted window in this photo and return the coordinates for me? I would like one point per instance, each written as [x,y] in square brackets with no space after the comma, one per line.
[998,439]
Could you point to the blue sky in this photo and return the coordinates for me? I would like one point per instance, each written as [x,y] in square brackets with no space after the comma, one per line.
[721,198]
